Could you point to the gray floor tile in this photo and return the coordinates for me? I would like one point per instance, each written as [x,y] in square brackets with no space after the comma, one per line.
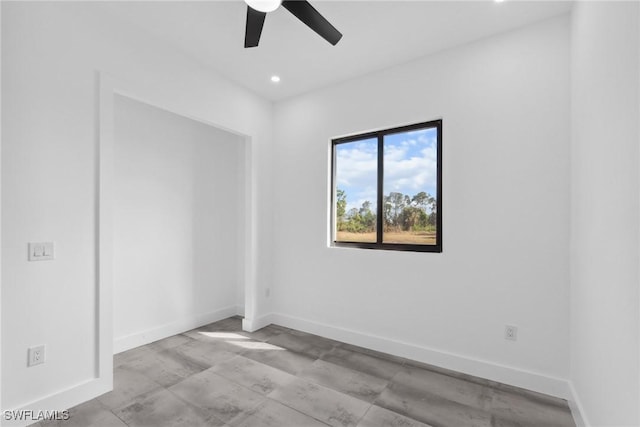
[357,384]
[307,344]
[329,406]
[162,408]
[231,324]
[374,353]
[221,397]
[280,377]
[127,384]
[449,372]
[203,353]
[380,417]
[254,345]
[165,367]
[539,398]
[259,335]
[265,333]
[282,359]
[170,342]
[254,375]
[510,409]
[273,414]
[315,339]
[361,362]
[132,355]
[89,414]
[231,341]
[431,409]
[280,328]
[447,387]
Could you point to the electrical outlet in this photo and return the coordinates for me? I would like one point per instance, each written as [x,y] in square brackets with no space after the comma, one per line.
[511,333]
[36,355]
[42,251]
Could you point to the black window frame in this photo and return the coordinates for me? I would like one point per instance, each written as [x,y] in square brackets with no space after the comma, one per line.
[379,244]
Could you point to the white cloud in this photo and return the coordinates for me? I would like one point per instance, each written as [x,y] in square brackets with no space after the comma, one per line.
[356,166]
[410,166]
[408,170]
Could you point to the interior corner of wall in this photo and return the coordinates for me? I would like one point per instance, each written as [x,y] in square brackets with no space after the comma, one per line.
[576,407]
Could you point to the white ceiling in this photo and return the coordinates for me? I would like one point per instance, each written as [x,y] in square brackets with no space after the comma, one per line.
[377,35]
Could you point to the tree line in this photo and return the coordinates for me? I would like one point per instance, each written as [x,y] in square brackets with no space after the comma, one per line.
[400,213]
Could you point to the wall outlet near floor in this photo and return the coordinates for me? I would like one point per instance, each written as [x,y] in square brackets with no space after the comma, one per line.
[511,332]
[42,251]
[36,355]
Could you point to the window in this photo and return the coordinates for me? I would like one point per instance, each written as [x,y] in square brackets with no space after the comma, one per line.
[387,189]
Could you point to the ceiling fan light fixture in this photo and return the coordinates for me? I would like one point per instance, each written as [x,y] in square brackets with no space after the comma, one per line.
[257,11]
[264,5]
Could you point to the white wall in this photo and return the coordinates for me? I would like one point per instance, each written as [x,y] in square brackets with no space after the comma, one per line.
[605,216]
[50,54]
[177,222]
[505,106]
[1,137]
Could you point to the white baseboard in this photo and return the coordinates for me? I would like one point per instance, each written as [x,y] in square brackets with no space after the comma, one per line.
[62,400]
[577,410]
[252,325]
[529,380]
[145,337]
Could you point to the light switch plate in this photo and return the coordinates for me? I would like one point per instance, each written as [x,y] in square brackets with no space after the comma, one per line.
[41,251]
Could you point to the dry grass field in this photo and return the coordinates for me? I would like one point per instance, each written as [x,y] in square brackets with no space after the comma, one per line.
[416,238]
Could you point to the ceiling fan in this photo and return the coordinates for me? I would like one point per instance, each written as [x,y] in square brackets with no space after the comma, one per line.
[257,11]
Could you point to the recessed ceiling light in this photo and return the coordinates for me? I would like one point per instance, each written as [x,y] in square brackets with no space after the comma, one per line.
[275,79]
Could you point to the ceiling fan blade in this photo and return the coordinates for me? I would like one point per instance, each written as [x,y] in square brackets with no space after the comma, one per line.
[312,18]
[255,21]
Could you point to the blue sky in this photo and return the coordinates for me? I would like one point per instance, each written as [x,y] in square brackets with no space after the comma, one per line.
[410,166]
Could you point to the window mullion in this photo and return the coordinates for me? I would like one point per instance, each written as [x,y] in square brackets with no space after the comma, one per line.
[380,207]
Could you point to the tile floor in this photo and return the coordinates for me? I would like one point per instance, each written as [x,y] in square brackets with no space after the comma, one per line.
[219,375]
